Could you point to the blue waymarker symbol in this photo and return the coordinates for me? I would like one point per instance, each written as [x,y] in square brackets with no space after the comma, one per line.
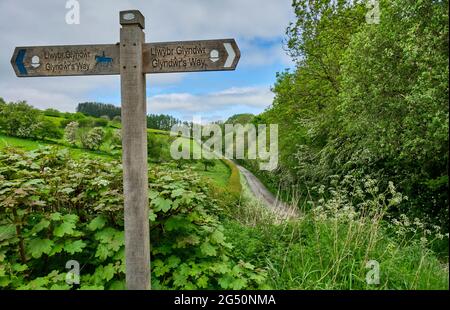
[103,59]
[19,62]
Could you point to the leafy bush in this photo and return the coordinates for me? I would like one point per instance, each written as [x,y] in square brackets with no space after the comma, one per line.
[63,124]
[47,130]
[93,139]
[86,122]
[19,119]
[70,133]
[22,120]
[116,139]
[52,112]
[101,122]
[54,209]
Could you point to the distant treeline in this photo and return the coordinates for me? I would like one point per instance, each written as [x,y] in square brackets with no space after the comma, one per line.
[98,109]
[161,121]
[154,121]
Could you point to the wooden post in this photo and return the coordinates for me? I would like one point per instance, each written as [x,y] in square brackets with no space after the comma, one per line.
[132,59]
[134,151]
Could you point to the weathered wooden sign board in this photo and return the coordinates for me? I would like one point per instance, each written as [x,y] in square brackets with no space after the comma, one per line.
[132,58]
[104,59]
[190,56]
[66,60]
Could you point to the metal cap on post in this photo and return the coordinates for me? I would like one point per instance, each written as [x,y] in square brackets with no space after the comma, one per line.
[132,17]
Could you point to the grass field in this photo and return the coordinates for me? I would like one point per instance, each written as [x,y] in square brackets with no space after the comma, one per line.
[219,174]
[28,145]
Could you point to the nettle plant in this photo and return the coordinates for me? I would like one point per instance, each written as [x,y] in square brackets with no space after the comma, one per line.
[54,209]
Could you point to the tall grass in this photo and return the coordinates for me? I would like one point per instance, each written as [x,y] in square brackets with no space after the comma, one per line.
[338,242]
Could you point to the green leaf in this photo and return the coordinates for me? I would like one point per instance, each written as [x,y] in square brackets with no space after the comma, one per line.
[162,204]
[238,284]
[7,232]
[56,216]
[173,262]
[184,241]
[71,218]
[178,192]
[38,246]
[97,223]
[60,287]
[102,251]
[225,282]
[152,194]
[19,267]
[57,248]
[92,287]
[208,249]
[202,282]
[105,272]
[220,268]
[65,228]
[160,268]
[176,222]
[67,190]
[151,215]
[40,226]
[74,247]
[217,237]
[180,276]
[117,285]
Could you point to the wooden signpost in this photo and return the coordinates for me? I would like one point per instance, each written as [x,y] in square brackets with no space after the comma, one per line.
[132,58]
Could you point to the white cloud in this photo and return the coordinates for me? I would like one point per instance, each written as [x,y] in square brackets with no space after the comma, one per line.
[27,23]
[189,104]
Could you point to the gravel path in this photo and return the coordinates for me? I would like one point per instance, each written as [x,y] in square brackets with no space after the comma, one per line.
[262,193]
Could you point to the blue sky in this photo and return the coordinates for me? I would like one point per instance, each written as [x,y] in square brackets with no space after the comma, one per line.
[257,25]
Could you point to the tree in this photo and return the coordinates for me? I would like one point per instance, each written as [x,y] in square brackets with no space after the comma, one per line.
[243,119]
[161,121]
[70,132]
[367,99]
[394,103]
[97,109]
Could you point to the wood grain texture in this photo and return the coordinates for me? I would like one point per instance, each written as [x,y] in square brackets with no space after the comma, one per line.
[134,158]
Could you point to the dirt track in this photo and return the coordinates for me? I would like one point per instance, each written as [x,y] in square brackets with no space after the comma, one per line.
[263,194]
